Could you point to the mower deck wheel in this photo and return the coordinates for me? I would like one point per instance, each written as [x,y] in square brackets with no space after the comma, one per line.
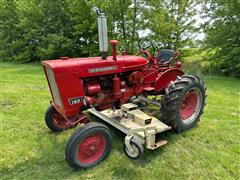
[88,145]
[137,149]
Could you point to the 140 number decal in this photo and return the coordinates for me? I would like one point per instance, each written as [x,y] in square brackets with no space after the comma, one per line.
[75,100]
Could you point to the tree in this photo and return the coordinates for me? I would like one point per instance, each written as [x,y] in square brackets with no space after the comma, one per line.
[84,27]
[171,23]
[33,30]
[123,20]
[223,35]
[36,30]
[9,31]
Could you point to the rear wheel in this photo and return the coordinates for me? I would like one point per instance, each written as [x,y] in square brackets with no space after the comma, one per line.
[55,121]
[183,103]
[88,145]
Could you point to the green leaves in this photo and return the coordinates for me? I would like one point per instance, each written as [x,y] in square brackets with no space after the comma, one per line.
[36,30]
[171,22]
[223,34]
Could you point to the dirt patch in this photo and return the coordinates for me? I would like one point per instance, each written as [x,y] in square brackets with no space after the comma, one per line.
[7,105]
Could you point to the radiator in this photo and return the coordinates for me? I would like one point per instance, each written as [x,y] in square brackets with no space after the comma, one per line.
[53,86]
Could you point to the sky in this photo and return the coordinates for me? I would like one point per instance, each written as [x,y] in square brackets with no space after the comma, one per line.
[199,20]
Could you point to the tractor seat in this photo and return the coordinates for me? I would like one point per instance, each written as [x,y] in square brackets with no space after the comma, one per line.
[165,56]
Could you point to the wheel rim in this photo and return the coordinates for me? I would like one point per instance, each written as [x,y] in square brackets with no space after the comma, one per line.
[135,151]
[191,105]
[60,122]
[91,148]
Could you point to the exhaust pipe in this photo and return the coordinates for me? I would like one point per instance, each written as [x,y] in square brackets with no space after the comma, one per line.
[102,32]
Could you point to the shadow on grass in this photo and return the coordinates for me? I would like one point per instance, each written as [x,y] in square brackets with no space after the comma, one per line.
[45,159]
[48,158]
[148,155]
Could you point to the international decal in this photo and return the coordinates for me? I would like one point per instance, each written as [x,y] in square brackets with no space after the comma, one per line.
[102,69]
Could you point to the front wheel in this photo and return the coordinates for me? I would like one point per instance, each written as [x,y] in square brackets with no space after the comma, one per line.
[55,121]
[183,103]
[88,145]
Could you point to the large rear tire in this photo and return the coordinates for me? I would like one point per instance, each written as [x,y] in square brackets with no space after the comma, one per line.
[183,103]
[88,145]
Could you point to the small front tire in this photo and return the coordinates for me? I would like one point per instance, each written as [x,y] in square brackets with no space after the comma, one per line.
[55,121]
[88,146]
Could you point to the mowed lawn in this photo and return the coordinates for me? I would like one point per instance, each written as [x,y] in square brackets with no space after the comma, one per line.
[29,150]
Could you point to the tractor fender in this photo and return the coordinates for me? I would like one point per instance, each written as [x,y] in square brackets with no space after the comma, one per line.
[164,78]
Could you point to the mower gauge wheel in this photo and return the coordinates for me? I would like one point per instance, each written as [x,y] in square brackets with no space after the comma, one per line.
[88,146]
[137,149]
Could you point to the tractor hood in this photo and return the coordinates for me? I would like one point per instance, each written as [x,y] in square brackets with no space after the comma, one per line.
[95,66]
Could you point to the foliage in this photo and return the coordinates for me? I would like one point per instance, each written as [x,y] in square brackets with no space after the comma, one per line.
[36,30]
[30,151]
[223,35]
[33,30]
[172,24]
[8,25]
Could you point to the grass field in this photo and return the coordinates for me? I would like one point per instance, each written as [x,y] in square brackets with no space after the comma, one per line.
[30,151]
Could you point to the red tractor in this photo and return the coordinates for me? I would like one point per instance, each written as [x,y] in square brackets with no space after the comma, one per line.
[116,88]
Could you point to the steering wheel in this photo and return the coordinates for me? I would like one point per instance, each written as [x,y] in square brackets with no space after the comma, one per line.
[146,44]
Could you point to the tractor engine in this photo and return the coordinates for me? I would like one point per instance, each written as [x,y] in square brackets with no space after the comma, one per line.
[101,93]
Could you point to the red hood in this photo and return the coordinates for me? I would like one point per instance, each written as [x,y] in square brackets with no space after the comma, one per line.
[95,66]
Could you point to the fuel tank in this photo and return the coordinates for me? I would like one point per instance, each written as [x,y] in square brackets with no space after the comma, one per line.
[95,66]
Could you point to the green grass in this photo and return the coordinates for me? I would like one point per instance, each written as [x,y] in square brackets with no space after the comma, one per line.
[30,151]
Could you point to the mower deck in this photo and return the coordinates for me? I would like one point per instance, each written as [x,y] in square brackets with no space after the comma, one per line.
[134,123]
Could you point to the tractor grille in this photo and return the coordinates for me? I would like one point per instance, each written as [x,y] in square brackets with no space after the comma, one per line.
[53,86]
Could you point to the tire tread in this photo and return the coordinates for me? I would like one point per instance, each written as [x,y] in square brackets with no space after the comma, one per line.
[170,102]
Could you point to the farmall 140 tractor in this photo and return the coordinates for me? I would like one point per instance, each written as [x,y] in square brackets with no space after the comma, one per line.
[119,89]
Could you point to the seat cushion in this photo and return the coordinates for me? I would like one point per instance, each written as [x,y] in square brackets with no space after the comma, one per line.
[165,55]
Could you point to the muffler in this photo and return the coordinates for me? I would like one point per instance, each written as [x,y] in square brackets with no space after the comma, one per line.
[102,32]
